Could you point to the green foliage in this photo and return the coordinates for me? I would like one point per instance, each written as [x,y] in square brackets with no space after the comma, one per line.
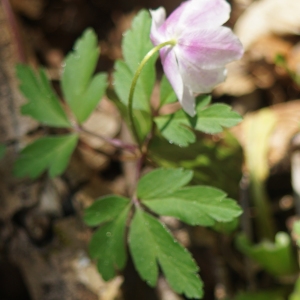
[108,242]
[197,205]
[142,118]
[105,209]
[161,182]
[176,128]
[276,258]
[136,44]
[52,153]
[151,244]
[2,151]
[81,89]
[167,94]
[43,104]
[266,295]
[214,162]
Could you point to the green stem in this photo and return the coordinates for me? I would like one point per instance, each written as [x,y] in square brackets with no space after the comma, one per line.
[264,220]
[134,82]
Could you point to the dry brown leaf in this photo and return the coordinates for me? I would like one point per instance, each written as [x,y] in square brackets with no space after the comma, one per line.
[287,122]
[267,17]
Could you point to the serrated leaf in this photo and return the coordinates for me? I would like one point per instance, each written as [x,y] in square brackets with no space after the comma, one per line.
[108,245]
[162,182]
[215,117]
[105,209]
[176,128]
[167,94]
[81,89]
[151,244]
[52,153]
[43,104]
[276,258]
[196,205]
[2,151]
[136,44]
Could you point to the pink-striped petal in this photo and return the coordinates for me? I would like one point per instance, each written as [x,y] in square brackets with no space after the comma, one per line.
[199,80]
[197,14]
[187,101]
[171,70]
[210,48]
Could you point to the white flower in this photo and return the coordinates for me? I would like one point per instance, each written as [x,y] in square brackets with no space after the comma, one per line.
[203,47]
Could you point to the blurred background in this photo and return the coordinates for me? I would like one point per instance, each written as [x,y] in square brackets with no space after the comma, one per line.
[43,240]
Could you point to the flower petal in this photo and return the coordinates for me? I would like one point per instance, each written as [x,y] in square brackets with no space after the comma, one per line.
[210,48]
[199,80]
[197,14]
[158,18]
[188,101]
[171,70]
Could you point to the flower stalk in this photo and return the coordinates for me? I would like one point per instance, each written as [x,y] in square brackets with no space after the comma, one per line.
[133,86]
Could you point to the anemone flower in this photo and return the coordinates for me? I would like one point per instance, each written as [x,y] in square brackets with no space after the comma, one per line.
[195,64]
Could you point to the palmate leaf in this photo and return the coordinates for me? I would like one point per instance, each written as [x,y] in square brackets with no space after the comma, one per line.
[196,205]
[151,244]
[52,153]
[136,44]
[176,128]
[81,89]
[108,242]
[43,104]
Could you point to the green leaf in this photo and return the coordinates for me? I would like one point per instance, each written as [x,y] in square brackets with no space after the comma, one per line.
[151,244]
[136,44]
[162,182]
[197,205]
[276,258]
[167,94]
[215,117]
[2,151]
[176,128]
[43,104]
[214,162]
[81,89]
[52,153]
[108,245]
[105,209]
